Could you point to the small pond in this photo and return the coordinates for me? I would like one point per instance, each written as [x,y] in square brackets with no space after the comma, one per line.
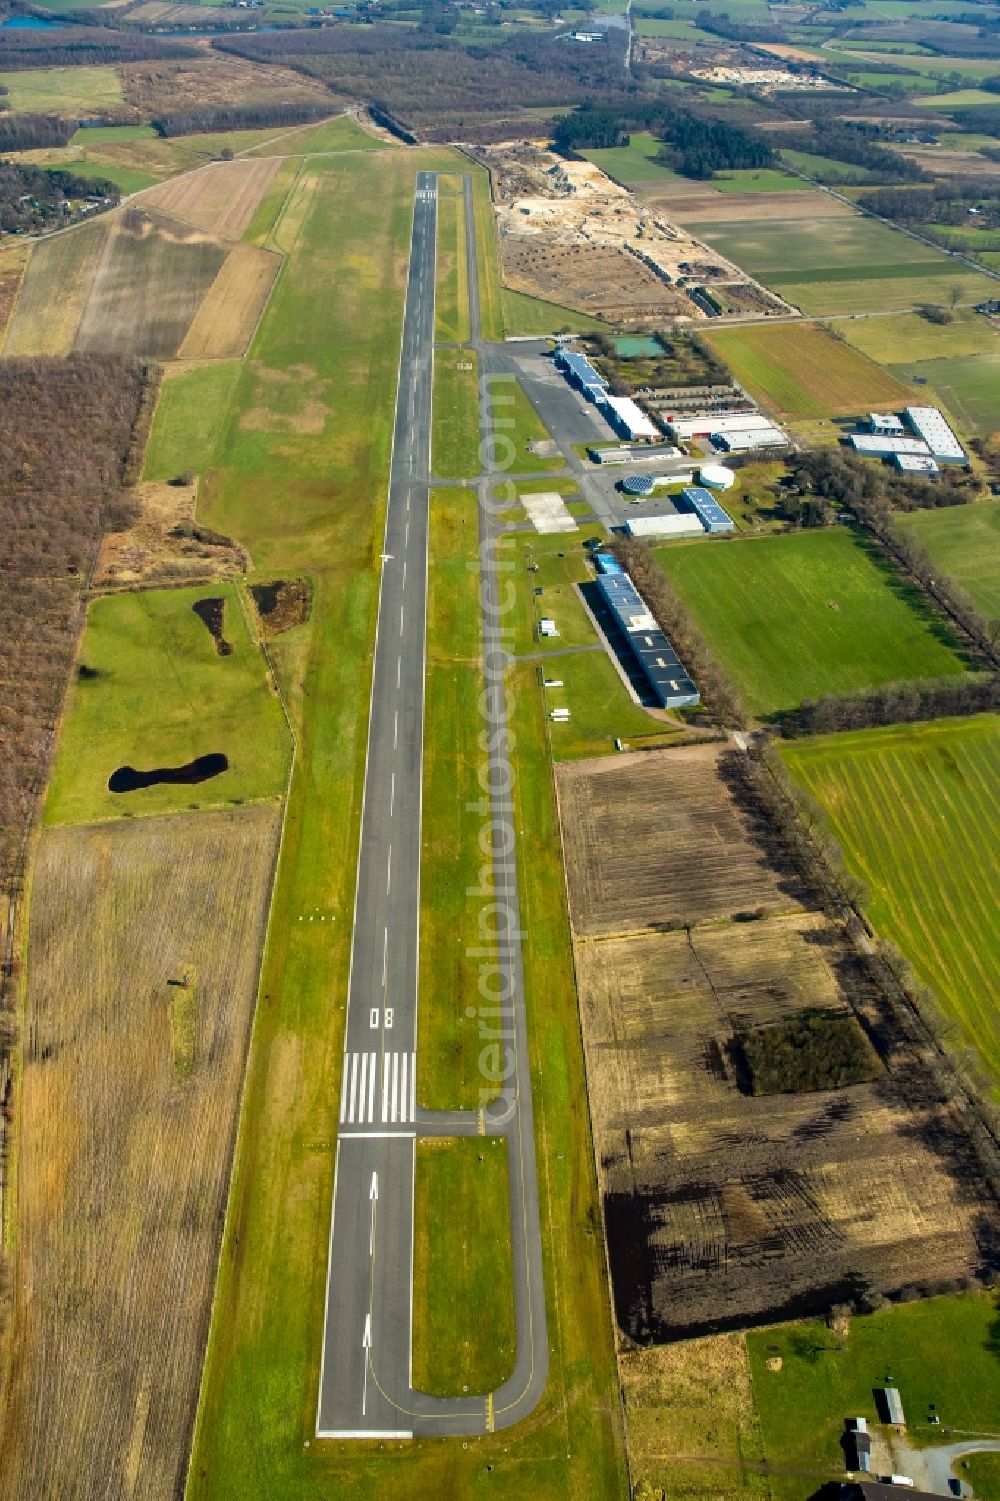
[127,779]
[31,23]
[637,347]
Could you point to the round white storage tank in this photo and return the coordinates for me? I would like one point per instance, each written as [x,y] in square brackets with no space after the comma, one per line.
[716,476]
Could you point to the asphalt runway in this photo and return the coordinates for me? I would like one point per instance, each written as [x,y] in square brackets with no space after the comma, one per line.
[366,1388]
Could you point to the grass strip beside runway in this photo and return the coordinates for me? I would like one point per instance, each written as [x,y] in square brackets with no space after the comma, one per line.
[463,1292]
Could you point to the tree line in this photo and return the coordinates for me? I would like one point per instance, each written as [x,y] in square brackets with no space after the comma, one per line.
[866,490]
[694,145]
[68,432]
[31,198]
[34,132]
[84,46]
[240,117]
[857,145]
[439,87]
[719,694]
[893,703]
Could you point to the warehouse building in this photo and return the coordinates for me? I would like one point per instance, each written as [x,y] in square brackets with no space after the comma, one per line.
[625,454]
[707,509]
[684,428]
[580,373]
[748,440]
[885,423]
[628,420]
[667,525]
[660,664]
[873,446]
[930,425]
[916,463]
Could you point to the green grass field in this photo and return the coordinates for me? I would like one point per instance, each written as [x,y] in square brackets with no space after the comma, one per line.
[125,179]
[190,415]
[797,616]
[946,104]
[843,264]
[968,385]
[941,1351]
[532,315]
[463,1314]
[448,1046]
[636,162]
[518,424]
[982,1471]
[163,696]
[800,370]
[451,308]
[63,91]
[964,542]
[455,437]
[915,811]
[339,134]
[765,180]
[824,168]
[907,336]
[307,496]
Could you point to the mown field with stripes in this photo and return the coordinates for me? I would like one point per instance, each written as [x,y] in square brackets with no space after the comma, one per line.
[915,810]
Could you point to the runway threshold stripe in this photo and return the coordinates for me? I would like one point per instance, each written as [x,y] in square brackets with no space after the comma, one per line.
[371,1089]
[402,1086]
[385,1088]
[413,1086]
[363,1088]
[395,1081]
[343,1091]
[354,1089]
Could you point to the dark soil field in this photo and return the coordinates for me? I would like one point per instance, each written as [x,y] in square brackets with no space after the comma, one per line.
[724,1209]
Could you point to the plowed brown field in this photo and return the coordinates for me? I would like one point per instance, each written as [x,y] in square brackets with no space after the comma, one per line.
[221,198]
[723,1209]
[223,326]
[129,1102]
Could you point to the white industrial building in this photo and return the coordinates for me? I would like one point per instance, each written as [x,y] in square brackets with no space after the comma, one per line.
[664,526]
[683,428]
[873,445]
[916,463]
[930,425]
[750,440]
[885,423]
[627,418]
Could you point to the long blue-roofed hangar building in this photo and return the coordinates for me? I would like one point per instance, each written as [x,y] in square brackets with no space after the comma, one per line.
[662,667]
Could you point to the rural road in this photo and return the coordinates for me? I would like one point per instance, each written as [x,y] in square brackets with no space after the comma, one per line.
[366,1387]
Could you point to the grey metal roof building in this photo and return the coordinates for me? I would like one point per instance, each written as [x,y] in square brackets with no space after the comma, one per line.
[660,664]
[707,509]
[581,373]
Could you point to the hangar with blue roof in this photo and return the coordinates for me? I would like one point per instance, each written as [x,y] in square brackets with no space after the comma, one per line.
[661,666]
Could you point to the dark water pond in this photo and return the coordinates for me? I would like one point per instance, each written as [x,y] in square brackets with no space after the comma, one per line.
[31,23]
[127,779]
[212,614]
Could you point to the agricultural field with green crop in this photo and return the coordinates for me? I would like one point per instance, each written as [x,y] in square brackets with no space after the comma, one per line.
[794,617]
[532,315]
[908,336]
[190,415]
[843,264]
[800,370]
[155,692]
[915,811]
[966,384]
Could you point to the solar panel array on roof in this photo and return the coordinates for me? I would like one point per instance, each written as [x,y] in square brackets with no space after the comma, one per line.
[638,484]
[607,563]
[707,509]
[661,665]
[581,372]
